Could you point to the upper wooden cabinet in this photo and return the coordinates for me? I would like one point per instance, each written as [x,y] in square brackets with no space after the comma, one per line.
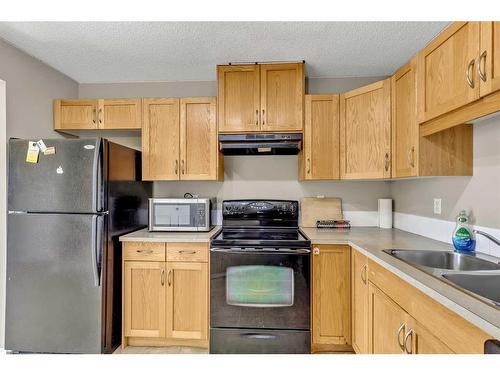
[365,132]
[331,298]
[97,114]
[447,75]
[319,160]
[267,97]
[179,139]
[488,65]
[404,122]
[359,290]
[160,139]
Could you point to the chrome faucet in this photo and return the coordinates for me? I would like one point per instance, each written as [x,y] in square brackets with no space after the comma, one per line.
[488,236]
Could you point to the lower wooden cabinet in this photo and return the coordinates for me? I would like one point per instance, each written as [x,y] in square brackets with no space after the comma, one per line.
[165,302]
[331,298]
[359,291]
[388,323]
[424,342]
[187,300]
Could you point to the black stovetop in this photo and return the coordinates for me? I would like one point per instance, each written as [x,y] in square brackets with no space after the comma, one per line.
[261,238]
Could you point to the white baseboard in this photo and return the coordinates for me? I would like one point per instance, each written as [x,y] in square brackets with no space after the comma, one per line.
[442,230]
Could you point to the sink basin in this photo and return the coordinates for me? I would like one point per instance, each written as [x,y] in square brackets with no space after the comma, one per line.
[445,260]
[484,285]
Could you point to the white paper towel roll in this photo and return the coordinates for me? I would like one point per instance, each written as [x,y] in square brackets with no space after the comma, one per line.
[385,213]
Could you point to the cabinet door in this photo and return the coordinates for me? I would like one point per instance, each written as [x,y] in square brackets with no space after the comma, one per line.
[239,102]
[75,114]
[489,61]
[359,271]
[321,138]
[365,132]
[447,77]
[282,97]
[198,139]
[120,114]
[424,342]
[187,300]
[160,139]
[144,293]
[388,323]
[404,122]
[331,295]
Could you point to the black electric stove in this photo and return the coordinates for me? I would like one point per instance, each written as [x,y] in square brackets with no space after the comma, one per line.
[260,280]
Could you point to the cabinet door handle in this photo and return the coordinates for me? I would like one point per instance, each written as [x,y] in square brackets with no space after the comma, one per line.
[363,273]
[263,117]
[187,252]
[256,117]
[407,336]
[482,74]
[94,115]
[308,166]
[169,277]
[162,277]
[182,163]
[100,113]
[411,157]
[176,166]
[398,336]
[316,251]
[145,251]
[386,161]
[470,81]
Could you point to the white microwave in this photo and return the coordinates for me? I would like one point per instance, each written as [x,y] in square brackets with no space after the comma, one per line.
[182,215]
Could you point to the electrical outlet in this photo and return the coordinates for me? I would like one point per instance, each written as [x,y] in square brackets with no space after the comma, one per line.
[437,206]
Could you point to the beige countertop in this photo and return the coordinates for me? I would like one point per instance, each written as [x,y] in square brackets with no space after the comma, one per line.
[144,235]
[372,242]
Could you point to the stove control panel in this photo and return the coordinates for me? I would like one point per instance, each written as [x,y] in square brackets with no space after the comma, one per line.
[269,211]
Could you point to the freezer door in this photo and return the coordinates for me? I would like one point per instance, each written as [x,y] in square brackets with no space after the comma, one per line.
[68,181]
[53,283]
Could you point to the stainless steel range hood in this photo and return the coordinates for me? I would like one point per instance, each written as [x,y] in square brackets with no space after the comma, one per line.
[260,144]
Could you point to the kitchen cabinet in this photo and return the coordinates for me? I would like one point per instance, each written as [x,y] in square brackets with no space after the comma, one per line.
[447,76]
[179,139]
[144,299]
[331,298]
[187,300]
[359,288]
[405,133]
[388,323]
[488,64]
[319,160]
[429,326]
[447,153]
[102,114]
[260,97]
[365,132]
[165,294]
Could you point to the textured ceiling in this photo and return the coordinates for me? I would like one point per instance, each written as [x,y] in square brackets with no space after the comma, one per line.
[188,51]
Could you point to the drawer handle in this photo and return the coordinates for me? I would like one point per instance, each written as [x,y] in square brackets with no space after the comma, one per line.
[162,277]
[169,277]
[145,251]
[363,273]
[259,336]
[187,252]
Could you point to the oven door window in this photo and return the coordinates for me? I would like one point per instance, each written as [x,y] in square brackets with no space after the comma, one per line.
[259,286]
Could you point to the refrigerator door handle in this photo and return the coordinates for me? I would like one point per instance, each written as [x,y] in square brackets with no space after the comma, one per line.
[98,176]
[97,236]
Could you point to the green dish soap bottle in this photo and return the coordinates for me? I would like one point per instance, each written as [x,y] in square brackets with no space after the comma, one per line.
[463,237]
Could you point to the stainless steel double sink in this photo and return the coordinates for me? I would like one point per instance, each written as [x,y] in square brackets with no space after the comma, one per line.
[473,274]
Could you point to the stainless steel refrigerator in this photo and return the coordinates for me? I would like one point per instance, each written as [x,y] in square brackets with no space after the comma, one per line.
[65,214]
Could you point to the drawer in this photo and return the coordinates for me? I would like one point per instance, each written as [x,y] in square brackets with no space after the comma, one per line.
[187,252]
[147,251]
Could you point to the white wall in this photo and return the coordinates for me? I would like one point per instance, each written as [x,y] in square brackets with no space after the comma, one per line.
[3,208]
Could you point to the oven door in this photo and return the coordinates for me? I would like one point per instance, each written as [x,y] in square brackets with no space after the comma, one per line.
[260,289]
